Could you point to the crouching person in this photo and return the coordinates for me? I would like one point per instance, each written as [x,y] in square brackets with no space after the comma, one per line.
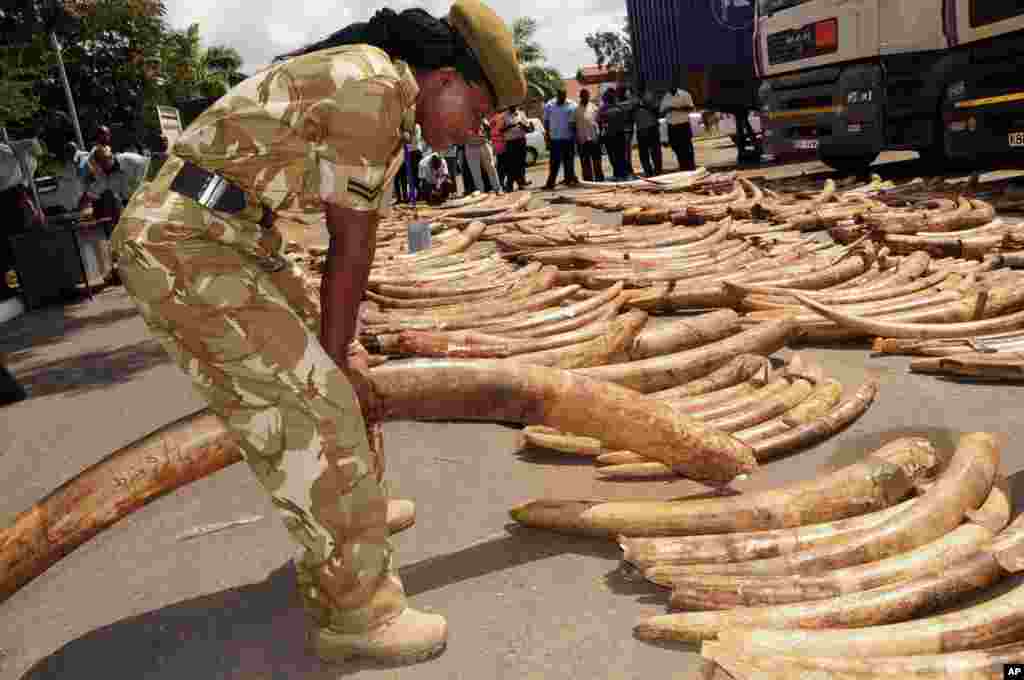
[437,183]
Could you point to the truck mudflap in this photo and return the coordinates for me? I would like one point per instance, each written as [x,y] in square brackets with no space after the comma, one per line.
[858,126]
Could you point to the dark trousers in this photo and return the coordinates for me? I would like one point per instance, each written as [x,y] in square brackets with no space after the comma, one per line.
[500,164]
[415,156]
[680,138]
[590,161]
[627,153]
[616,144]
[402,184]
[649,141]
[437,194]
[515,163]
[10,390]
[108,206]
[563,155]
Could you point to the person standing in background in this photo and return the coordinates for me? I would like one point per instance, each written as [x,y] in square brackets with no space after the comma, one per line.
[415,157]
[402,192]
[587,138]
[498,144]
[603,137]
[560,134]
[613,120]
[480,158]
[516,127]
[629,105]
[115,177]
[677,105]
[453,156]
[104,137]
[648,133]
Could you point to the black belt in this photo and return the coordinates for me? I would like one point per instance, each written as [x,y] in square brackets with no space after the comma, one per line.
[212,191]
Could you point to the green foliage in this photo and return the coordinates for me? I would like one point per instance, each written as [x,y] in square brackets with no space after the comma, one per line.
[541,80]
[528,50]
[191,71]
[612,49]
[106,46]
[23,59]
[18,74]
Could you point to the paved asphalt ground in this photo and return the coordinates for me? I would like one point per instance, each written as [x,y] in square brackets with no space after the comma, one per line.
[140,602]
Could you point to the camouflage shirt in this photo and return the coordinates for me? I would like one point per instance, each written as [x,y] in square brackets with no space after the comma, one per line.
[321,127]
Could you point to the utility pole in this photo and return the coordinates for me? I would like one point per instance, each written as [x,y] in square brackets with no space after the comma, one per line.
[67,91]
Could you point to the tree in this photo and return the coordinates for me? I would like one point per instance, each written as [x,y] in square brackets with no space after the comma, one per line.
[108,50]
[528,50]
[197,72]
[18,102]
[25,55]
[225,61]
[543,81]
[613,49]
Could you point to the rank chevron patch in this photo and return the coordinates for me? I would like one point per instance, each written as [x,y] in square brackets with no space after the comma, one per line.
[363,190]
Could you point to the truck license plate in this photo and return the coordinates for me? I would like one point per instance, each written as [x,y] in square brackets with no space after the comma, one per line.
[806,144]
[1017,139]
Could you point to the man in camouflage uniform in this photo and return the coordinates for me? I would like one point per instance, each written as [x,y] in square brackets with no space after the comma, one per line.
[319,133]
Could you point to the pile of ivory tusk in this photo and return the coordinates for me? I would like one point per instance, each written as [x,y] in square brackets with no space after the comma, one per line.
[996,357]
[749,253]
[698,241]
[916,297]
[839,577]
[774,410]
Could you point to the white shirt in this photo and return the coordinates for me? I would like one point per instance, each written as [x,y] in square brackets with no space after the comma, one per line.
[512,129]
[586,122]
[125,181]
[681,99]
[427,172]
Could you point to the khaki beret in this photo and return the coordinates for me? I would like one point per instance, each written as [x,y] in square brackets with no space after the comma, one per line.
[491,42]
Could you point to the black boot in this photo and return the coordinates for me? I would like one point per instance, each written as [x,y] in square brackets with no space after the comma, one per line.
[10,390]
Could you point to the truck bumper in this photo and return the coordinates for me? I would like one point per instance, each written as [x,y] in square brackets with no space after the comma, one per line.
[992,126]
[837,115]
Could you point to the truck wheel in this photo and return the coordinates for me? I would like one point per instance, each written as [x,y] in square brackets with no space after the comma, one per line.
[849,165]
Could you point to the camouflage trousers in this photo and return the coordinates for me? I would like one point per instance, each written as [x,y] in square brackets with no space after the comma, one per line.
[247,335]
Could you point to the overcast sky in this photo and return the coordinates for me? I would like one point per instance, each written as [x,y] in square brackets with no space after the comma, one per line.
[261,29]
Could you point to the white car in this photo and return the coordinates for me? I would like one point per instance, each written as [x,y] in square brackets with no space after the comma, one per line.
[696,123]
[535,145]
[726,125]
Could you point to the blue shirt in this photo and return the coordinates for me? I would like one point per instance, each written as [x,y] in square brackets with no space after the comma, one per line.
[559,119]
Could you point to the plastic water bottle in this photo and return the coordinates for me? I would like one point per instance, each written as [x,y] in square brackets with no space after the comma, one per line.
[419,236]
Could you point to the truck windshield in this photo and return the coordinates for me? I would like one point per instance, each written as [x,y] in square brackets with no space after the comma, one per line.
[767,7]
